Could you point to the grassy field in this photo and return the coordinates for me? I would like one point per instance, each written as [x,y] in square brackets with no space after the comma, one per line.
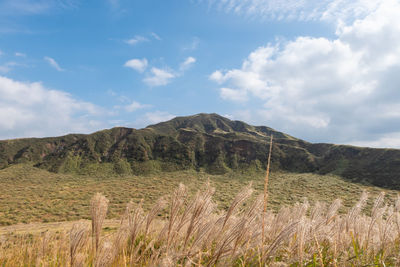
[195,232]
[28,194]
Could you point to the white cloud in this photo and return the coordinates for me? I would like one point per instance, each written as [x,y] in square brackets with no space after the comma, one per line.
[385,140]
[29,109]
[331,10]
[155,36]
[6,67]
[139,65]
[159,77]
[1,53]
[152,118]
[234,95]
[217,76]
[342,90]
[137,39]
[185,65]
[18,54]
[133,106]
[53,63]
[29,7]
[157,116]
[24,6]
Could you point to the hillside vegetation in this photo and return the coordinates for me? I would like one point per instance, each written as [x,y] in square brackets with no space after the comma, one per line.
[203,142]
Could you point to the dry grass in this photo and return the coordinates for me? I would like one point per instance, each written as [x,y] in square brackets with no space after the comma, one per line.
[31,195]
[266,189]
[197,233]
[98,212]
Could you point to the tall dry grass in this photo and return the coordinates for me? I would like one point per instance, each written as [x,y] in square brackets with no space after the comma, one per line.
[196,233]
[98,212]
[266,189]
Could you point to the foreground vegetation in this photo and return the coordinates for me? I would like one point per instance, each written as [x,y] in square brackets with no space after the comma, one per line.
[29,194]
[196,233]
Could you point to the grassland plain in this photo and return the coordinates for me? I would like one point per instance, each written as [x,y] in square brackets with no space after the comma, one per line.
[195,232]
[29,194]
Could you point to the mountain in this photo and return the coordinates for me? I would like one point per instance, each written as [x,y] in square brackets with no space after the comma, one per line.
[203,141]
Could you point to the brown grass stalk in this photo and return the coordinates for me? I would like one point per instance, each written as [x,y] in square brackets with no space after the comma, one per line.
[266,192]
[98,211]
[78,239]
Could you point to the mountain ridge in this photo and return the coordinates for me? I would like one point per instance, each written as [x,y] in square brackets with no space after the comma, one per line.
[202,141]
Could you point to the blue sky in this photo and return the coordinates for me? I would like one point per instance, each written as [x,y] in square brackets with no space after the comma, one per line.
[324,71]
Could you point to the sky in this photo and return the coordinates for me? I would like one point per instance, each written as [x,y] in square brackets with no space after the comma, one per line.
[323,71]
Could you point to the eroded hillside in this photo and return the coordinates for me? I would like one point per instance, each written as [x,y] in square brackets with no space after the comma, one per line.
[208,142]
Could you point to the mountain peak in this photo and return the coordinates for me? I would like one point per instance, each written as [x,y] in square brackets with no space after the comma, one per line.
[212,123]
[203,141]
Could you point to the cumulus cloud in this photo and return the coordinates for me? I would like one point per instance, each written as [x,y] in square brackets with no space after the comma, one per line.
[185,65]
[19,54]
[53,63]
[159,77]
[232,94]
[343,89]
[139,65]
[29,109]
[137,39]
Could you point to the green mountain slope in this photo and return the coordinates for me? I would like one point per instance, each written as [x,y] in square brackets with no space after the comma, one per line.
[205,141]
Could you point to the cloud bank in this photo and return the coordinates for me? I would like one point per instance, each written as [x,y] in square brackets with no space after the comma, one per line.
[342,90]
[31,110]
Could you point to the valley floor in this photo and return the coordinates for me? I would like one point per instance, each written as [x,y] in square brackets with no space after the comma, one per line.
[185,229]
[32,195]
[52,227]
